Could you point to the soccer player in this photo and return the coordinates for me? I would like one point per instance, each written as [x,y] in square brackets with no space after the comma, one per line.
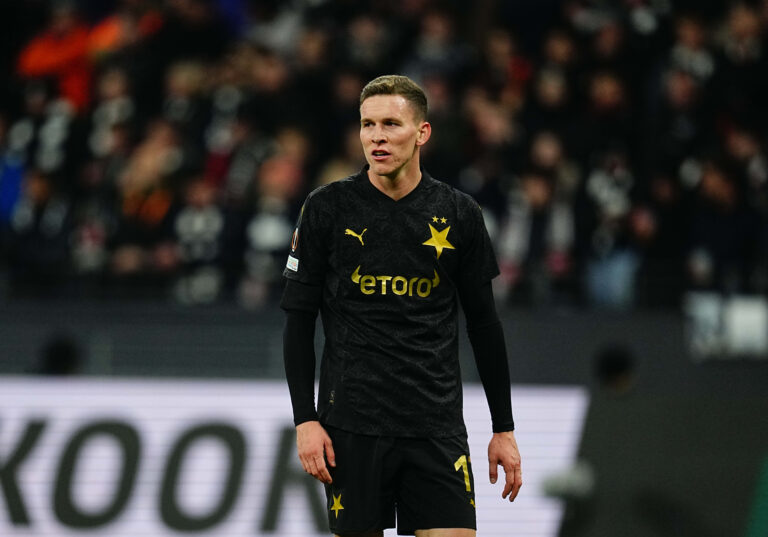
[385,255]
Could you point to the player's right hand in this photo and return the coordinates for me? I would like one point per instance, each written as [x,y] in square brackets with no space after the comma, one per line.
[315,447]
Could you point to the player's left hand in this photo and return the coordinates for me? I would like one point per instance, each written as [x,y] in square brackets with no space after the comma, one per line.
[502,451]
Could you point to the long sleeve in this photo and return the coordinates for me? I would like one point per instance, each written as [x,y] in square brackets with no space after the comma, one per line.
[487,339]
[301,304]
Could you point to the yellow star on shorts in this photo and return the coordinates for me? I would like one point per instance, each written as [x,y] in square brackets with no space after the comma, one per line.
[337,505]
[439,240]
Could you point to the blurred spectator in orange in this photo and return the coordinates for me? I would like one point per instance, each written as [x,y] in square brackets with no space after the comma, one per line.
[143,245]
[132,22]
[61,52]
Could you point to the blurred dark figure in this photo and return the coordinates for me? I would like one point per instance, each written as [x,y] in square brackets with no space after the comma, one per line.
[604,239]
[741,79]
[437,51]
[535,242]
[60,355]
[447,148]
[503,70]
[615,369]
[725,237]
[679,123]
[691,52]
[658,225]
[40,226]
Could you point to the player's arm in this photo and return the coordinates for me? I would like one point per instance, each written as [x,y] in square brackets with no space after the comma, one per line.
[301,303]
[487,339]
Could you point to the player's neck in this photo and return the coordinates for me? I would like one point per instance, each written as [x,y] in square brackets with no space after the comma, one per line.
[397,186]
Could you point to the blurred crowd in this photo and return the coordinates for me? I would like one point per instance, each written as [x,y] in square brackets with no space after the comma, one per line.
[163,148]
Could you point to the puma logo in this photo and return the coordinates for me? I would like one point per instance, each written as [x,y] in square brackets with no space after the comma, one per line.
[358,237]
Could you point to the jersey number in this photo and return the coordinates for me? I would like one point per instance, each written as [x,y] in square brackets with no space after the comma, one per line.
[463,463]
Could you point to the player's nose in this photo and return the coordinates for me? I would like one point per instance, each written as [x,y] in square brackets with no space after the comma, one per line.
[378,135]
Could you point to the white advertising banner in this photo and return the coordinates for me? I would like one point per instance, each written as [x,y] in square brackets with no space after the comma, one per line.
[158,458]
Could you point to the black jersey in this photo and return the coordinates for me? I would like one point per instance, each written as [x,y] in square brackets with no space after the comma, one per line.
[389,272]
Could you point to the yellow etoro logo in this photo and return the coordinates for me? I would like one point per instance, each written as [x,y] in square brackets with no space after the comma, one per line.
[398,285]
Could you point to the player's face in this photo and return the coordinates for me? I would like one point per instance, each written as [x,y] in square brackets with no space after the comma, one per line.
[391,134]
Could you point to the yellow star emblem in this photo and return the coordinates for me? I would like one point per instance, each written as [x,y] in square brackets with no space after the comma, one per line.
[443,221]
[434,219]
[337,505]
[439,240]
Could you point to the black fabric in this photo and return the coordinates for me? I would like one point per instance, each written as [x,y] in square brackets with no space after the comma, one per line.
[299,360]
[486,336]
[389,272]
[426,482]
[301,296]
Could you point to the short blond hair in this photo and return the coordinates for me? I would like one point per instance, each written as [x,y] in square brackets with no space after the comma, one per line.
[398,85]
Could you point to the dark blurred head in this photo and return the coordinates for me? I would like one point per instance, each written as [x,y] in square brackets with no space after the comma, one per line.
[680,90]
[690,31]
[615,367]
[538,187]
[560,48]
[60,356]
[606,91]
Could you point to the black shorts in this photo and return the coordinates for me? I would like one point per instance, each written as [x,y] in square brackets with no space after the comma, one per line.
[427,482]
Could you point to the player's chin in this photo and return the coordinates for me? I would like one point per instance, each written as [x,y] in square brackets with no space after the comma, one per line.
[381,168]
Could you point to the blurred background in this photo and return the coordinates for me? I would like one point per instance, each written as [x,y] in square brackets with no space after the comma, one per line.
[154,155]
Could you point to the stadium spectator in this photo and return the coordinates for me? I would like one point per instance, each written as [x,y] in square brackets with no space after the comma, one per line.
[60,52]
[39,248]
[725,238]
[534,248]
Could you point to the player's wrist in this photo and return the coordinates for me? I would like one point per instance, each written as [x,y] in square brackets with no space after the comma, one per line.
[297,421]
[503,426]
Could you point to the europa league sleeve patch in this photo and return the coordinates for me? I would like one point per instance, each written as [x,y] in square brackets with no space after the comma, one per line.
[292,264]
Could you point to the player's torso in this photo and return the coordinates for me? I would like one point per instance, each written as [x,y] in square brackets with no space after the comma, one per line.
[402,252]
[390,312]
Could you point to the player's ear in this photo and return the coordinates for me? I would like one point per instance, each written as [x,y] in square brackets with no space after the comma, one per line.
[425,131]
